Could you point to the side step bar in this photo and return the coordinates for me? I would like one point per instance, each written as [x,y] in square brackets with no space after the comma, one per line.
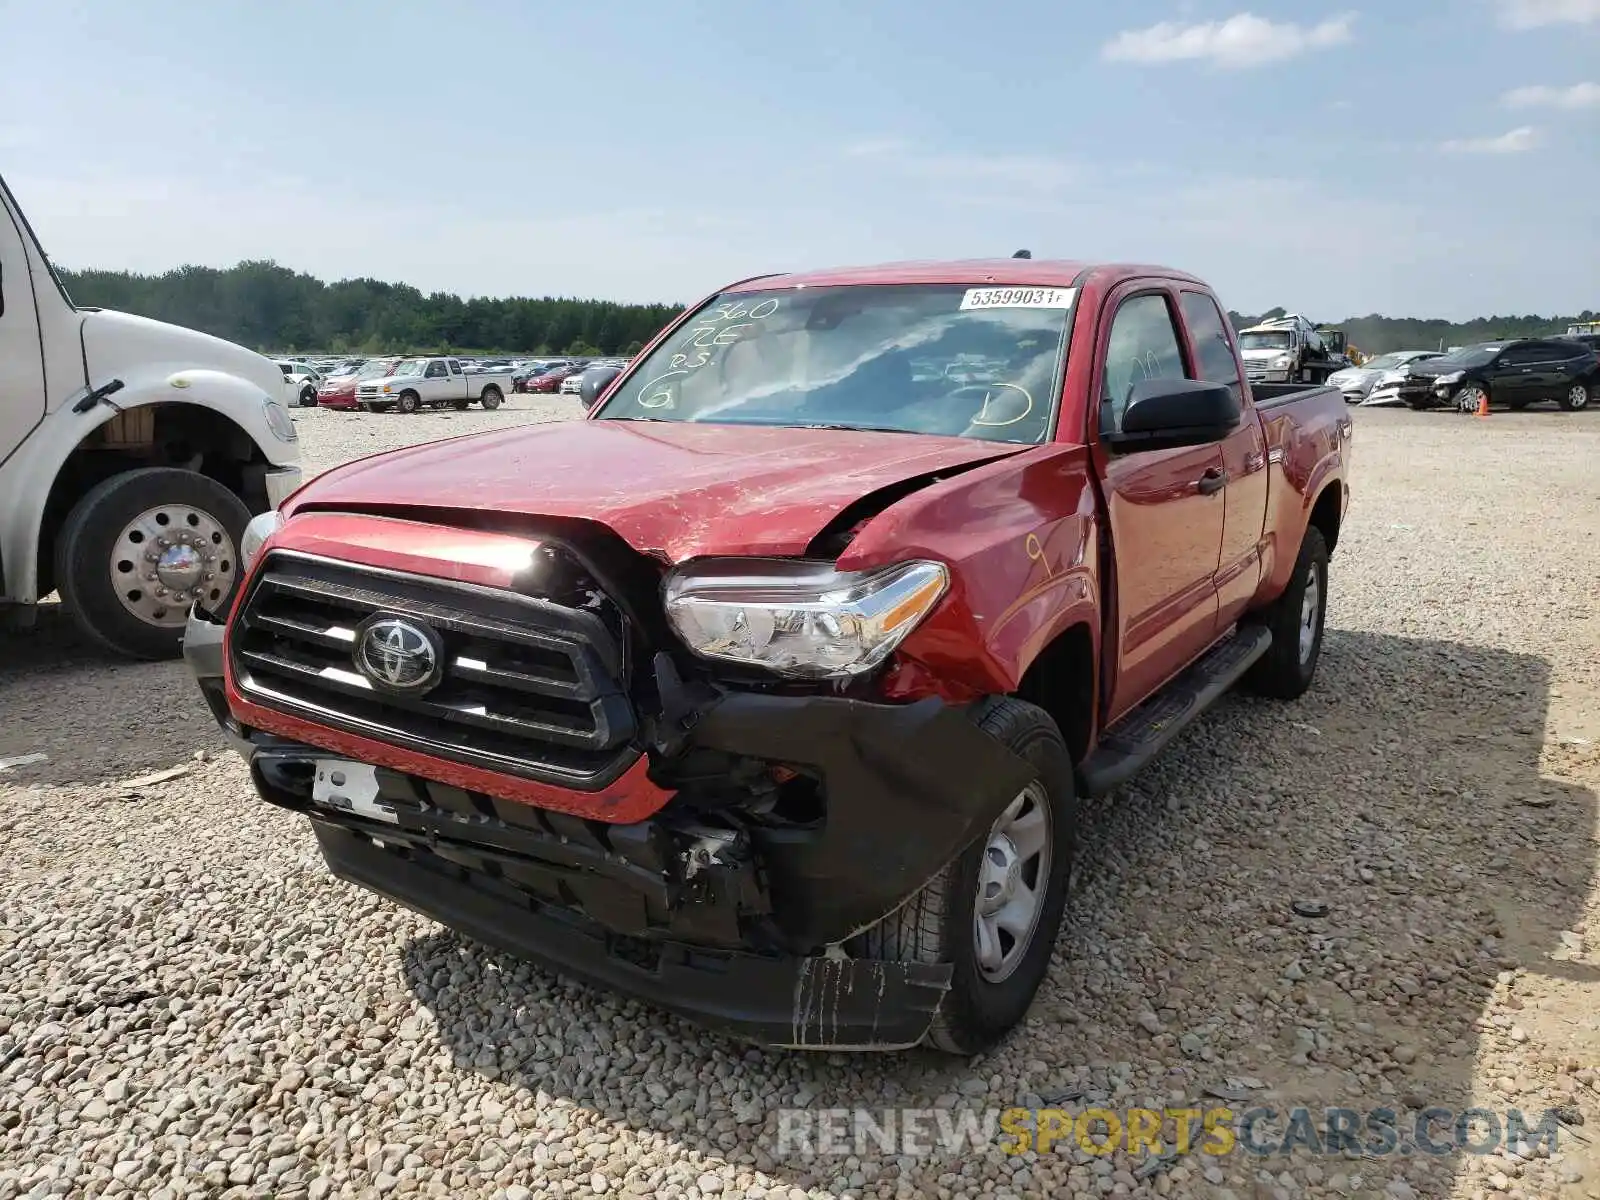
[1133,741]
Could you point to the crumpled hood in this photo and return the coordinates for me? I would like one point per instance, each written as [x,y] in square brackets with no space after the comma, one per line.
[671,489]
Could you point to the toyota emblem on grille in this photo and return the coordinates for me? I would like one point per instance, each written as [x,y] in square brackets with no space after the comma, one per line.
[399,655]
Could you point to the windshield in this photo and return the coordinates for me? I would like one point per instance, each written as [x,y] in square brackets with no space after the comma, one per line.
[372,370]
[1276,339]
[1470,356]
[1387,362]
[982,362]
[410,366]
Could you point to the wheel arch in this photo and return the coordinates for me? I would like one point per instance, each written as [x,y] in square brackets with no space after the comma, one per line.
[1061,680]
[185,434]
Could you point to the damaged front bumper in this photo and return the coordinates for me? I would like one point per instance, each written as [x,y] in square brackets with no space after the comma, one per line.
[740,919]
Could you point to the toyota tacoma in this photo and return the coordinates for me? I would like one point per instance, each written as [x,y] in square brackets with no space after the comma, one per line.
[768,690]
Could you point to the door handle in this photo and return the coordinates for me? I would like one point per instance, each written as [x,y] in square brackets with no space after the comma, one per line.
[1212,481]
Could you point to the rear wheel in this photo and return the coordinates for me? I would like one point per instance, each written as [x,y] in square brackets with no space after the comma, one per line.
[1577,397]
[491,398]
[1296,620]
[139,548]
[408,402]
[993,914]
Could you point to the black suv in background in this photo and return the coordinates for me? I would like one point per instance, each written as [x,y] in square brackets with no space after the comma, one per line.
[1511,374]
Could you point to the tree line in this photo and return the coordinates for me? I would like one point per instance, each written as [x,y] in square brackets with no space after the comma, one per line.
[275,309]
[272,308]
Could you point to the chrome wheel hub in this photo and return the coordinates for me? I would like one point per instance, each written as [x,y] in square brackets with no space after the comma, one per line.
[1578,397]
[1012,880]
[168,557]
[1310,603]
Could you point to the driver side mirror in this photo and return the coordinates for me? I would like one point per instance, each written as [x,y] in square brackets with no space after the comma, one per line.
[594,383]
[1166,413]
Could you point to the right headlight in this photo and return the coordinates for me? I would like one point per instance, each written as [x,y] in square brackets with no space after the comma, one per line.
[1450,377]
[800,619]
[255,535]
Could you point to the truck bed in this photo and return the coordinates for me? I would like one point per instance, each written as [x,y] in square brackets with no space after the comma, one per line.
[1270,395]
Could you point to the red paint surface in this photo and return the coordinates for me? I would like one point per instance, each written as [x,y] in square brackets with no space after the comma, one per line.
[673,490]
[1024,530]
[633,797]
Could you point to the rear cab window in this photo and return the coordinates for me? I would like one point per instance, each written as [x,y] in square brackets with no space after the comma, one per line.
[1211,341]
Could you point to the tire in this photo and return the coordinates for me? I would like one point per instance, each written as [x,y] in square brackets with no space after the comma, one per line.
[308,397]
[460,405]
[409,402]
[97,527]
[1577,398]
[1465,398]
[491,398]
[939,923]
[1285,671]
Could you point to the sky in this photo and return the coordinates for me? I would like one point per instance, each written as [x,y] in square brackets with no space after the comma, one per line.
[1435,158]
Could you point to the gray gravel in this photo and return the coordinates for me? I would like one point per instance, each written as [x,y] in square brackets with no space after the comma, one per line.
[189,1005]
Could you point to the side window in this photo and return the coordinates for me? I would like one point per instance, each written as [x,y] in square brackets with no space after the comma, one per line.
[435,370]
[1208,333]
[1143,345]
[1521,356]
[455,367]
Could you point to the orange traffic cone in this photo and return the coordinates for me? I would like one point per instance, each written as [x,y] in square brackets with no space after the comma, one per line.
[1483,404]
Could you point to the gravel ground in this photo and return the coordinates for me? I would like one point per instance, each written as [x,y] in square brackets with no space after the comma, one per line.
[189,1005]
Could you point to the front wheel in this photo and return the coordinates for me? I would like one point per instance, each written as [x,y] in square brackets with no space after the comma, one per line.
[993,913]
[1296,620]
[491,398]
[139,548]
[1470,398]
[1577,397]
[408,402]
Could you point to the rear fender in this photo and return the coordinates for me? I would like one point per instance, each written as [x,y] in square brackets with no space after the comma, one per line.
[1020,537]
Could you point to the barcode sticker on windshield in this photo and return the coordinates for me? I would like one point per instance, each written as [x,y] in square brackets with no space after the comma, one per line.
[1000,297]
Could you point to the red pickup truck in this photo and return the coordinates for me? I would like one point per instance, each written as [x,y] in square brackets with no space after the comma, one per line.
[768,690]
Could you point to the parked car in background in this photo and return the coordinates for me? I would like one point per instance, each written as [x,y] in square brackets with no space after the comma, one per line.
[1356,383]
[339,391]
[571,384]
[551,380]
[417,383]
[300,381]
[1509,374]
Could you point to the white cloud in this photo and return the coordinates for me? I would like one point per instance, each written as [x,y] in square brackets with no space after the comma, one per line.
[1513,141]
[1534,14]
[1579,95]
[1243,40]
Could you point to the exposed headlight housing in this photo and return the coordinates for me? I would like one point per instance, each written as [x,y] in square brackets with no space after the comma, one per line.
[1451,377]
[255,535]
[804,620]
[279,420]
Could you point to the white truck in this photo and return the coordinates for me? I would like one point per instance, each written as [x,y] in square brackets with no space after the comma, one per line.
[1288,349]
[418,383]
[132,456]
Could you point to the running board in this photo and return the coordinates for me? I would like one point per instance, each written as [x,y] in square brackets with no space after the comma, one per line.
[1132,742]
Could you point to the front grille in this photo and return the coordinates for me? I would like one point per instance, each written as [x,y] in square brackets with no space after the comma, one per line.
[531,685]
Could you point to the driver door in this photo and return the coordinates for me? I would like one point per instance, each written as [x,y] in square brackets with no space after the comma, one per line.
[436,382]
[1165,508]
